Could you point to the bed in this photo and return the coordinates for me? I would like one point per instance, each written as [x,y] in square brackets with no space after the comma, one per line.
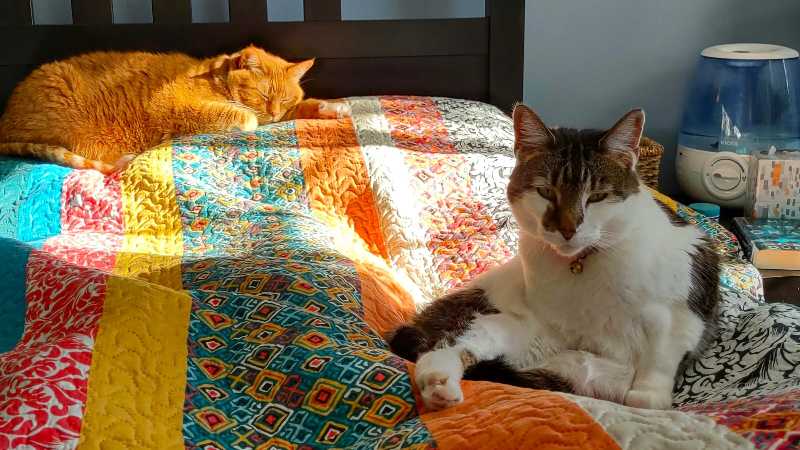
[233,291]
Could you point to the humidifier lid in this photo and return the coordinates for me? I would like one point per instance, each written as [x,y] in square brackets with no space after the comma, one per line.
[749,51]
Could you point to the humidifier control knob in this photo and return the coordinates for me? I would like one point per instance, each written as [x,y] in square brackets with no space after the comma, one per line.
[726,174]
[725,177]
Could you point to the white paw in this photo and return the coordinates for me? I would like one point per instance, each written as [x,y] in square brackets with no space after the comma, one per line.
[649,399]
[439,391]
[250,123]
[335,109]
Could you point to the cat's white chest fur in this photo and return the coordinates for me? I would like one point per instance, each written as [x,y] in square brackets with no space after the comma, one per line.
[610,308]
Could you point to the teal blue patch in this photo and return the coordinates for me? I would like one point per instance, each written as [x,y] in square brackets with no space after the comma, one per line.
[40,211]
[12,292]
[14,177]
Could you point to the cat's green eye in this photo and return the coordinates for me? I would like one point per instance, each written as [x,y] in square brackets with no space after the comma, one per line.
[546,192]
[597,197]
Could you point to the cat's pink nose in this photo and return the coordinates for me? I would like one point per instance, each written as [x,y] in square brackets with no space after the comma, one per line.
[567,233]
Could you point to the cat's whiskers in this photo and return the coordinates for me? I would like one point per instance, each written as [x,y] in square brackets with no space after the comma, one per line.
[606,236]
[607,244]
[607,251]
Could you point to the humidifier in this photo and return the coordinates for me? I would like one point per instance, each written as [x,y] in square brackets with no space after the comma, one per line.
[744,98]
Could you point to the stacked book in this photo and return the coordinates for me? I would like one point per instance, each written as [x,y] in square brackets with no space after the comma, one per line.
[773,246]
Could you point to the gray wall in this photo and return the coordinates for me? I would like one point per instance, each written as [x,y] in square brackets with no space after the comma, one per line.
[589,61]
[586,61]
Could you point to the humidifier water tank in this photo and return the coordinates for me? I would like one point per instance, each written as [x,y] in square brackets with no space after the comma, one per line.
[744,98]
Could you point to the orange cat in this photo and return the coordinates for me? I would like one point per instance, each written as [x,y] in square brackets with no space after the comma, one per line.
[101,109]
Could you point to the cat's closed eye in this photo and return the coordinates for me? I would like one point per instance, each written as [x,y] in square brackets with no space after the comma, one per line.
[546,192]
[597,197]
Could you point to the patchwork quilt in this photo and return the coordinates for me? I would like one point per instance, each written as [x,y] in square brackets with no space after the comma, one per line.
[231,292]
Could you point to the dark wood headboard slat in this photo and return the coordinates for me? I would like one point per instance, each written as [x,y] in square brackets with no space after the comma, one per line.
[172,11]
[92,12]
[506,50]
[462,76]
[314,10]
[247,11]
[39,44]
[15,12]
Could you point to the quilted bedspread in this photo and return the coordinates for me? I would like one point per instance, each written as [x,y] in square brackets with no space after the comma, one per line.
[231,292]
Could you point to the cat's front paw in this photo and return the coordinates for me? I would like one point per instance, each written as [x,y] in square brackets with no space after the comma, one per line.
[439,391]
[321,109]
[334,110]
[649,399]
[246,121]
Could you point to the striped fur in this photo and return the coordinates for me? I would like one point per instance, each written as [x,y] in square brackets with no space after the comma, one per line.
[55,154]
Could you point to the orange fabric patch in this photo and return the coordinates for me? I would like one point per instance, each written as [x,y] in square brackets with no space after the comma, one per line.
[336,178]
[495,416]
[339,194]
[416,124]
[386,304]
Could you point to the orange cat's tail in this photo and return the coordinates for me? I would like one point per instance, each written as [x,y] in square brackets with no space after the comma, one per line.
[56,154]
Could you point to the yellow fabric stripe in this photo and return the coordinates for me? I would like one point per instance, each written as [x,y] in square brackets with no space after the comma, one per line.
[671,204]
[138,374]
[153,242]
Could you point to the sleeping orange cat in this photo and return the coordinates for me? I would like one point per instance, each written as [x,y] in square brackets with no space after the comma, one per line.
[101,109]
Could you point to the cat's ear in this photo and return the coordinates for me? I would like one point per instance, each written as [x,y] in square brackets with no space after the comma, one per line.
[530,133]
[297,70]
[622,140]
[247,59]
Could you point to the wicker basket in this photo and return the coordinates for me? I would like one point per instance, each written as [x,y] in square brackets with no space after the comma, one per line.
[649,163]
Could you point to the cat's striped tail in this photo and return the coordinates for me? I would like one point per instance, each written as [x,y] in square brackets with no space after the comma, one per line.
[56,154]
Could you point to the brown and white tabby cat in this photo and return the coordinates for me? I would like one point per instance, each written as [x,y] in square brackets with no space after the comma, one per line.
[607,297]
[100,109]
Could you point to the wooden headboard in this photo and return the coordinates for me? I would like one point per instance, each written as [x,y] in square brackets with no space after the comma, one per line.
[479,59]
